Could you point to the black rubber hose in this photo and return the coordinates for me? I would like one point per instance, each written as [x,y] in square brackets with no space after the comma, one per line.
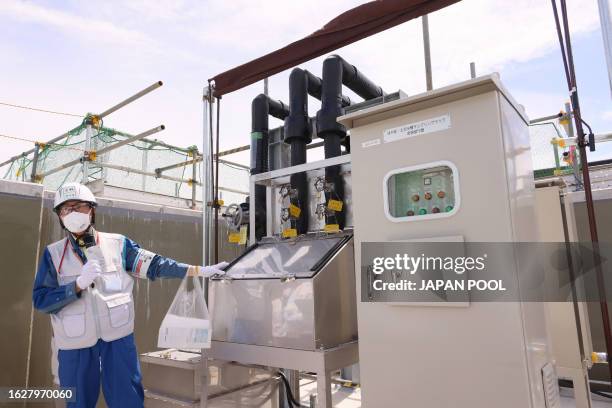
[290,398]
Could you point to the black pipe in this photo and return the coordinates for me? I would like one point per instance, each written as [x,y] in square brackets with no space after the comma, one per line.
[298,134]
[336,72]
[261,108]
[314,85]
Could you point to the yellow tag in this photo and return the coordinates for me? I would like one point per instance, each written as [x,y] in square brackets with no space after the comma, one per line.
[243,234]
[335,205]
[561,143]
[234,237]
[557,172]
[289,233]
[295,211]
[564,121]
[331,228]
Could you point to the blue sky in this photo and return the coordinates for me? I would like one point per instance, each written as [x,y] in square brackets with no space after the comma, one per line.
[545,76]
[78,57]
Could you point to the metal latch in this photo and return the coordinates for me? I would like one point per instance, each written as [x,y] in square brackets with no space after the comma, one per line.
[288,278]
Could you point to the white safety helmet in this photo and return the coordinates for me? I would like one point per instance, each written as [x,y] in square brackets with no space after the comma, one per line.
[73,191]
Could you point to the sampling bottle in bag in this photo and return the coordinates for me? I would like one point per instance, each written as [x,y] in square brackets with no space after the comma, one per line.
[186,324]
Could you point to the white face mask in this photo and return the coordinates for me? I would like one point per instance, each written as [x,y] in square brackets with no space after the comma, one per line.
[76,222]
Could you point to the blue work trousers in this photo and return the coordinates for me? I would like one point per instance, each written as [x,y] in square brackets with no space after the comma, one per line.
[114,364]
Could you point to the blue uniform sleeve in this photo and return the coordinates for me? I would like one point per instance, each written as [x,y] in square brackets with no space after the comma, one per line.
[48,295]
[145,264]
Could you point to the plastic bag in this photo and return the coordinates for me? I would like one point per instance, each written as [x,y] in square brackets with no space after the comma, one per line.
[187,324]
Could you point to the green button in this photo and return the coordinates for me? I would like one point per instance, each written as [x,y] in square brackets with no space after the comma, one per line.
[422,211]
[448,208]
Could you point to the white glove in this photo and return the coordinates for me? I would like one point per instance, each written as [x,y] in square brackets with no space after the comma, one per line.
[90,271]
[208,271]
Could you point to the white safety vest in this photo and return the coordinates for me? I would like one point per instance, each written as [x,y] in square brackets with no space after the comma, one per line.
[104,312]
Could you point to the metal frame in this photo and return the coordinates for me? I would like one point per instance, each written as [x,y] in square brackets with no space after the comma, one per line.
[102,115]
[322,362]
[86,159]
[207,193]
[267,177]
[571,141]
[261,178]
[546,118]
[102,151]
[224,153]
[144,173]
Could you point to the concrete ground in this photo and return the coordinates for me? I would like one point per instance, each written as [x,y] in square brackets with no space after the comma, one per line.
[351,397]
[342,397]
[567,400]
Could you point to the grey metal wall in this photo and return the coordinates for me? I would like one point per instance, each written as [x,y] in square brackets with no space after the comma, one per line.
[19,224]
[603,214]
[27,225]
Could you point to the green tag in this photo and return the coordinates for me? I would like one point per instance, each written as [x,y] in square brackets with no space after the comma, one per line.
[257,135]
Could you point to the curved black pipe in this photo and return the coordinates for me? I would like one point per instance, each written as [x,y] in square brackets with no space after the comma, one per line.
[336,72]
[298,134]
[314,85]
[261,108]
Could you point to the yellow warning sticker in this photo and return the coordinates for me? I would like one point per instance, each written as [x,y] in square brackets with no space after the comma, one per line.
[331,228]
[295,211]
[335,205]
[289,233]
[234,237]
[243,234]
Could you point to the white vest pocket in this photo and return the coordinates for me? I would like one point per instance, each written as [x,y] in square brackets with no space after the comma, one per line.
[73,319]
[119,315]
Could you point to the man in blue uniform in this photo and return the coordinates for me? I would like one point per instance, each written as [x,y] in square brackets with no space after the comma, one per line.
[84,283]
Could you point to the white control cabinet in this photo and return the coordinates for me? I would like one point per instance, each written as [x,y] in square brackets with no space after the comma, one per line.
[464,150]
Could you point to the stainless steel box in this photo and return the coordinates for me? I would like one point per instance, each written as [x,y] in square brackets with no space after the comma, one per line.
[176,377]
[297,294]
[263,394]
[172,372]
